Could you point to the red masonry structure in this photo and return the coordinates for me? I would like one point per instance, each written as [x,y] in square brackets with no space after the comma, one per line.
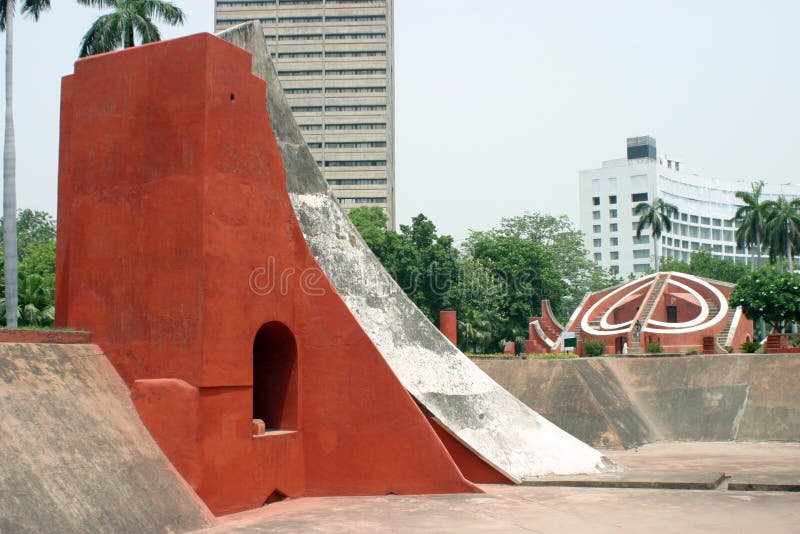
[678,311]
[448,325]
[178,248]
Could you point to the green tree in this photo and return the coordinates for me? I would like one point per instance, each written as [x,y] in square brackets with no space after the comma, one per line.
[656,216]
[32,8]
[703,263]
[422,262]
[782,228]
[372,223]
[751,220]
[770,294]
[128,20]
[529,271]
[36,235]
[477,296]
[557,234]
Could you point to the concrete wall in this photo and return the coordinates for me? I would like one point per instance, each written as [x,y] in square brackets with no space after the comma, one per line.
[626,402]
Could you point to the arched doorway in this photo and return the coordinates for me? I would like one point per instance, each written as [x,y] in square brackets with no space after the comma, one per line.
[275,373]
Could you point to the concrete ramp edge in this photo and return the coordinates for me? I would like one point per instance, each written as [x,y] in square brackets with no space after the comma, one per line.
[76,456]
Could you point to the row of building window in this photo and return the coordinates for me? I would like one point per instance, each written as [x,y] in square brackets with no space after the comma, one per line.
[362,200]
[332,90]
[264,3]
[612,199]
[345,53]
[638,254]
[319,36]
[305,20]
[612,214]
[696,245]
[614,227]
[357,163]
[350,144]
[318,109]
[332,72]
[357,181]
[702,233]
[357,126]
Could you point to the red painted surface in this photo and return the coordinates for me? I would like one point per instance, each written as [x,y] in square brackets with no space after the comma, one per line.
[780,344]
[509,348]
[548,321]
[448,325]
[173,221]
[44,336]
[471,466]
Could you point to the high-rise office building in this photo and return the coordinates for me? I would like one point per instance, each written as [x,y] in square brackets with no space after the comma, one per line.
[609,194]
[335,61]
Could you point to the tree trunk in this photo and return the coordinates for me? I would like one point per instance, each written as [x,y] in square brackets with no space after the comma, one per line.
[655,252]
[789,254]
[9,179]
[129,36]
[758,246]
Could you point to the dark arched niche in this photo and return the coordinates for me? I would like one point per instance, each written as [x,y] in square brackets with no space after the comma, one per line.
[275,377]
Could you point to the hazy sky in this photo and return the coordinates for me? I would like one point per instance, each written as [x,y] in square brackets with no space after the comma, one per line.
[499,107]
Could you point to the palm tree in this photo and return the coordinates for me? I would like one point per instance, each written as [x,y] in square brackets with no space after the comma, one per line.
[782,228]
[656,216]
[129,18]
[751,219]
[7,9]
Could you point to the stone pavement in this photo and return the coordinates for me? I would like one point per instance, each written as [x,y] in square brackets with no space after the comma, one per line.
[568,509]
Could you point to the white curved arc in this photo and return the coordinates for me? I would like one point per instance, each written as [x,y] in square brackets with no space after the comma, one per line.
[723,310]
[737,316]
[585,319]
[685,324]
[538,327]
[604,319]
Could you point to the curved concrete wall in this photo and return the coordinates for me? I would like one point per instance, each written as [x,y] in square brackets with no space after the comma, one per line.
[626,402]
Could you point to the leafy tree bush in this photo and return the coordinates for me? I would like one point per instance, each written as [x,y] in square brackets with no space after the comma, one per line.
[702,263]
[750,346]
[653,348]
[36,241]
[594,348]
[771,294]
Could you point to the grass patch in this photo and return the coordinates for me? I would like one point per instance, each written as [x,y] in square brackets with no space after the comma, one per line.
[554,356]
[542,356]
[41,329]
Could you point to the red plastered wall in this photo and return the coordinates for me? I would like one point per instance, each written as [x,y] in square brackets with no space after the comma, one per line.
[172,205]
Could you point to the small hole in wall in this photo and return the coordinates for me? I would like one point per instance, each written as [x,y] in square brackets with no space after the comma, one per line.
[233,97]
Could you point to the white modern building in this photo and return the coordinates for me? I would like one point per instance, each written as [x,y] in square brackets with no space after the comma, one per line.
[335,61]
[609,194]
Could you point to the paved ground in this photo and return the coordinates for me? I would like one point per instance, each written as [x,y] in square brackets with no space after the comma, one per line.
[565,510]
[730,457]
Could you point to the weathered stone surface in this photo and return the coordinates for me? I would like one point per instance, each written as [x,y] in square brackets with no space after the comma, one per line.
[75,456]
[496,426]
[625,402]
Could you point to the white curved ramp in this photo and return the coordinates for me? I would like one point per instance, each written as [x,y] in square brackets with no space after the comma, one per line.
[483,416]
